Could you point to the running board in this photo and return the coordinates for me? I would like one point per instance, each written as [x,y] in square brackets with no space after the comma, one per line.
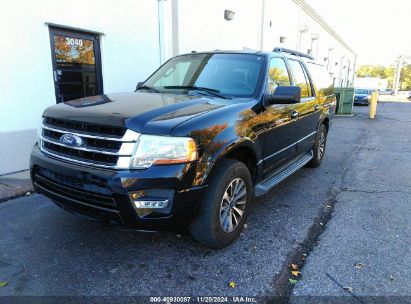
[282,173]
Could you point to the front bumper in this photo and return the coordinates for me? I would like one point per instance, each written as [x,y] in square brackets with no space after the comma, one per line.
[361,102]
[104,194]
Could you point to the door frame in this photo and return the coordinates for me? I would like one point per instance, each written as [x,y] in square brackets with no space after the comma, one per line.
[54,30]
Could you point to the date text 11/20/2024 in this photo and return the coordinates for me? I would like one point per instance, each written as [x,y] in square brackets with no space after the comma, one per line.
[205,299]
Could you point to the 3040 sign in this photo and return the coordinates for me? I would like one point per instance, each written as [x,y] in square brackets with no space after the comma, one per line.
[74,41]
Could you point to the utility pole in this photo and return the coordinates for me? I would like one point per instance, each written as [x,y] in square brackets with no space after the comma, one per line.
[396,82]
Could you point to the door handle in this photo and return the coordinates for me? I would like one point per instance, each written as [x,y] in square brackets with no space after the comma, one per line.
[294,114]
[316,107]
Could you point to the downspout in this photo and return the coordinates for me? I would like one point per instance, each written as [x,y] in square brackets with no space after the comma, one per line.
[161,31]
[174,27]
[262,25]
[354,66]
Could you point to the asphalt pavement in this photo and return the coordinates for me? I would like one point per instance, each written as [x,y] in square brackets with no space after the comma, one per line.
[364,253]
[354,208]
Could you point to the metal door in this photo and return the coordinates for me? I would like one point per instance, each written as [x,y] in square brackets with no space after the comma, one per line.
[76,64]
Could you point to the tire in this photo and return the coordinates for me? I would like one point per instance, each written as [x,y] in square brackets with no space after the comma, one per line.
[208,228]
[319,147]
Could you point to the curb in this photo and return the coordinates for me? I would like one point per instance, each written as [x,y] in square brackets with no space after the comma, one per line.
[15,193]
[15,185]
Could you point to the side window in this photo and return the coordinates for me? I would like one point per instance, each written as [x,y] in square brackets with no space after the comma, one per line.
[300,78]
[310,88]
[277,74]
[321,78]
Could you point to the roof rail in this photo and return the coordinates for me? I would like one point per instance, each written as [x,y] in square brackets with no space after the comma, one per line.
[292,52]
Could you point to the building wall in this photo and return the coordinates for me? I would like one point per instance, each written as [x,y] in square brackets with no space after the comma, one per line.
[259,25]
[129,51]
[135,37]
[202,25]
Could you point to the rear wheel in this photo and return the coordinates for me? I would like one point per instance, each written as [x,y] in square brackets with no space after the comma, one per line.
[224,210]
[319,147]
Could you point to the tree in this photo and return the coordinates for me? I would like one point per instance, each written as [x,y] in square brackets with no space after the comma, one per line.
[405,78]
[387,73]
[371,71]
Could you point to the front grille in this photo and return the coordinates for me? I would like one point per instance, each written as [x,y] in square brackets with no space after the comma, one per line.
[101,146]
[89,142]
[84,127]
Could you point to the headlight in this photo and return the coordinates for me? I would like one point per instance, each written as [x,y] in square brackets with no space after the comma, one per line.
[40,131]
[163,150]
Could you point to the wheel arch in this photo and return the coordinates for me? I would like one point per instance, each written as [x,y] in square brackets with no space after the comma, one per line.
[241,149]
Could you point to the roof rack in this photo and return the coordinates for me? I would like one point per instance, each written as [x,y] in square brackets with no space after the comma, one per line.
[292,52]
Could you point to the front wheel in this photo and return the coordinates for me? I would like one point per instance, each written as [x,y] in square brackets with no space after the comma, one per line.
[224,210]
[319,147]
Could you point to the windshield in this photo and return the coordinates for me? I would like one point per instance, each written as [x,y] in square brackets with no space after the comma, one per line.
[361,91]
[231,75]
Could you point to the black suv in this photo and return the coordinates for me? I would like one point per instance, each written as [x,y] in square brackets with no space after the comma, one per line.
[191,146]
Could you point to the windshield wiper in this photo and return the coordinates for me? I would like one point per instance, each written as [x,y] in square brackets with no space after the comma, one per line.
[150,89]
[202,89]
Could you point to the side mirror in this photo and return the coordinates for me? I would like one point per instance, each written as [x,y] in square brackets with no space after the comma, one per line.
[139,85]
[284,95]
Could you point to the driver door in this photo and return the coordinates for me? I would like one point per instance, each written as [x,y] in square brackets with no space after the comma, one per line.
[281,132]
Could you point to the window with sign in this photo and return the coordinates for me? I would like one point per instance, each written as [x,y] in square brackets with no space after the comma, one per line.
[74,50]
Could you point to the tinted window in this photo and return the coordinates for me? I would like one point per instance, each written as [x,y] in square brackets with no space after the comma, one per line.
[299,78]
[231,74]
[310,89]
[321,79]
[277,74]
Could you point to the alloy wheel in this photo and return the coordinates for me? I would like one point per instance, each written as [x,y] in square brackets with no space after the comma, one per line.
[233,205]
[321,146]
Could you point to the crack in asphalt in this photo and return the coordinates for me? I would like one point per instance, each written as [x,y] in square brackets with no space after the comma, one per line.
[20,273]
[374,191]
[282,287]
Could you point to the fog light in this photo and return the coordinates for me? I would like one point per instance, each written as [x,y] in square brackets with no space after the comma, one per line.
[141,200]
[150,204]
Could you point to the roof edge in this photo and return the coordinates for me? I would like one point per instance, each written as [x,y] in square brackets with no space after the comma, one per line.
[313,14]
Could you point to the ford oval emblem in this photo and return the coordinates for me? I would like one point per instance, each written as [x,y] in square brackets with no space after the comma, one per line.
[71,140]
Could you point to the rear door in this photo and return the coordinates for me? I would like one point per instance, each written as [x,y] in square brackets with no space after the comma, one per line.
[308,110]
[323,85]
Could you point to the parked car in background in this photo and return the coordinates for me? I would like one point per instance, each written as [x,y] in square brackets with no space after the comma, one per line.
[362,96]
[191,146]
[386,92]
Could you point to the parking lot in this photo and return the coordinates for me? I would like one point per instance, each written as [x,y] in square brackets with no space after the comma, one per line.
[353,209]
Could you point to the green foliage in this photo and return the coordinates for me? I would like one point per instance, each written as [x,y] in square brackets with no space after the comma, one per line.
[371,71]
[387,73]
[405,78]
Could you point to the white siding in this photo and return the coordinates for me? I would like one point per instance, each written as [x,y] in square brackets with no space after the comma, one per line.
[137,35]
[129,49]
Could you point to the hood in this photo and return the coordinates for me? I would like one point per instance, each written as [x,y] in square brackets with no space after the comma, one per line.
[150,113]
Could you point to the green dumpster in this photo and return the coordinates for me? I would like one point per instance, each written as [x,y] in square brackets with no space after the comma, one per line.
[345,100]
